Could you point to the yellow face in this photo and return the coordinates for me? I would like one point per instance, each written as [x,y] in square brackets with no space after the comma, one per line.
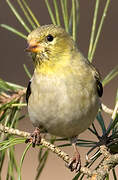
[49,42]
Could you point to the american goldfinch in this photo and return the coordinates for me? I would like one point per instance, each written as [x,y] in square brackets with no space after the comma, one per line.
[63,94]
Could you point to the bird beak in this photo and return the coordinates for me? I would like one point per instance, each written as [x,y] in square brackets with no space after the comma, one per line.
[33,47]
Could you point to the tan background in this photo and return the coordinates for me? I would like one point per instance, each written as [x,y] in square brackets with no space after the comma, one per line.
[13,57]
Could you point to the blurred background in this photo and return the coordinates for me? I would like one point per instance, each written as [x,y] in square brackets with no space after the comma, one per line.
[13,56]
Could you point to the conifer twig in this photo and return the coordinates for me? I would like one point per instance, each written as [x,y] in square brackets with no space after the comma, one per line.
[48,145]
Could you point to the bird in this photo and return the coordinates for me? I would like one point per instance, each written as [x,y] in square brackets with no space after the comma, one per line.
[63,95]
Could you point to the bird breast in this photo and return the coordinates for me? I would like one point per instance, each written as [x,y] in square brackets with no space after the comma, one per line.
[64,105]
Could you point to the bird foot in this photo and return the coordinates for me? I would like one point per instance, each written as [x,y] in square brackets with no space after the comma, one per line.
[35,137]
[75,164]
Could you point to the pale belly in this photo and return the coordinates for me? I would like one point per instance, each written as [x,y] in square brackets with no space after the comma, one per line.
[61,109]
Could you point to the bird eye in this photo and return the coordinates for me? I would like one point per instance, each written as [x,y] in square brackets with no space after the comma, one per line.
[50,38]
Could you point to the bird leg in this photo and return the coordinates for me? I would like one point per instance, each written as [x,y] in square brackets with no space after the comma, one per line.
[35,137]
[75,164]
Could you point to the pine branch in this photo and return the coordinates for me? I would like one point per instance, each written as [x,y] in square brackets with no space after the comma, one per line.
[48,145]
[110,161]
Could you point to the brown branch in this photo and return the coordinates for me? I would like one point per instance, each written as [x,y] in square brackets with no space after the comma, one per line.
[48,145]
[109,162]
[16,95]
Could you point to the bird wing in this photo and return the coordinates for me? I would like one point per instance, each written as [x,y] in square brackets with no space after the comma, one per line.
[28,91]
[98,80]
[99,86]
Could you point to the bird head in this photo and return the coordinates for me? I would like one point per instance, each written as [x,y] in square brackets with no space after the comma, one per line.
[49,42]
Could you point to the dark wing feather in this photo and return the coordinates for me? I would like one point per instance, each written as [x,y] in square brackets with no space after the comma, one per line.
[99,87]
[28,91]
[98,80]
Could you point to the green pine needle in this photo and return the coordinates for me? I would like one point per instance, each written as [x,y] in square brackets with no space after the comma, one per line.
[56,12]
[27,71]
[26,14]
[50,12]
[93,28]
[31,13]
[99,29]
[110,76]
[22,159]
[17,15]
[13,30]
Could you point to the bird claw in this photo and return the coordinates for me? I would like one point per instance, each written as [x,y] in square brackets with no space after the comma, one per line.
[75,163]
[35,137]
